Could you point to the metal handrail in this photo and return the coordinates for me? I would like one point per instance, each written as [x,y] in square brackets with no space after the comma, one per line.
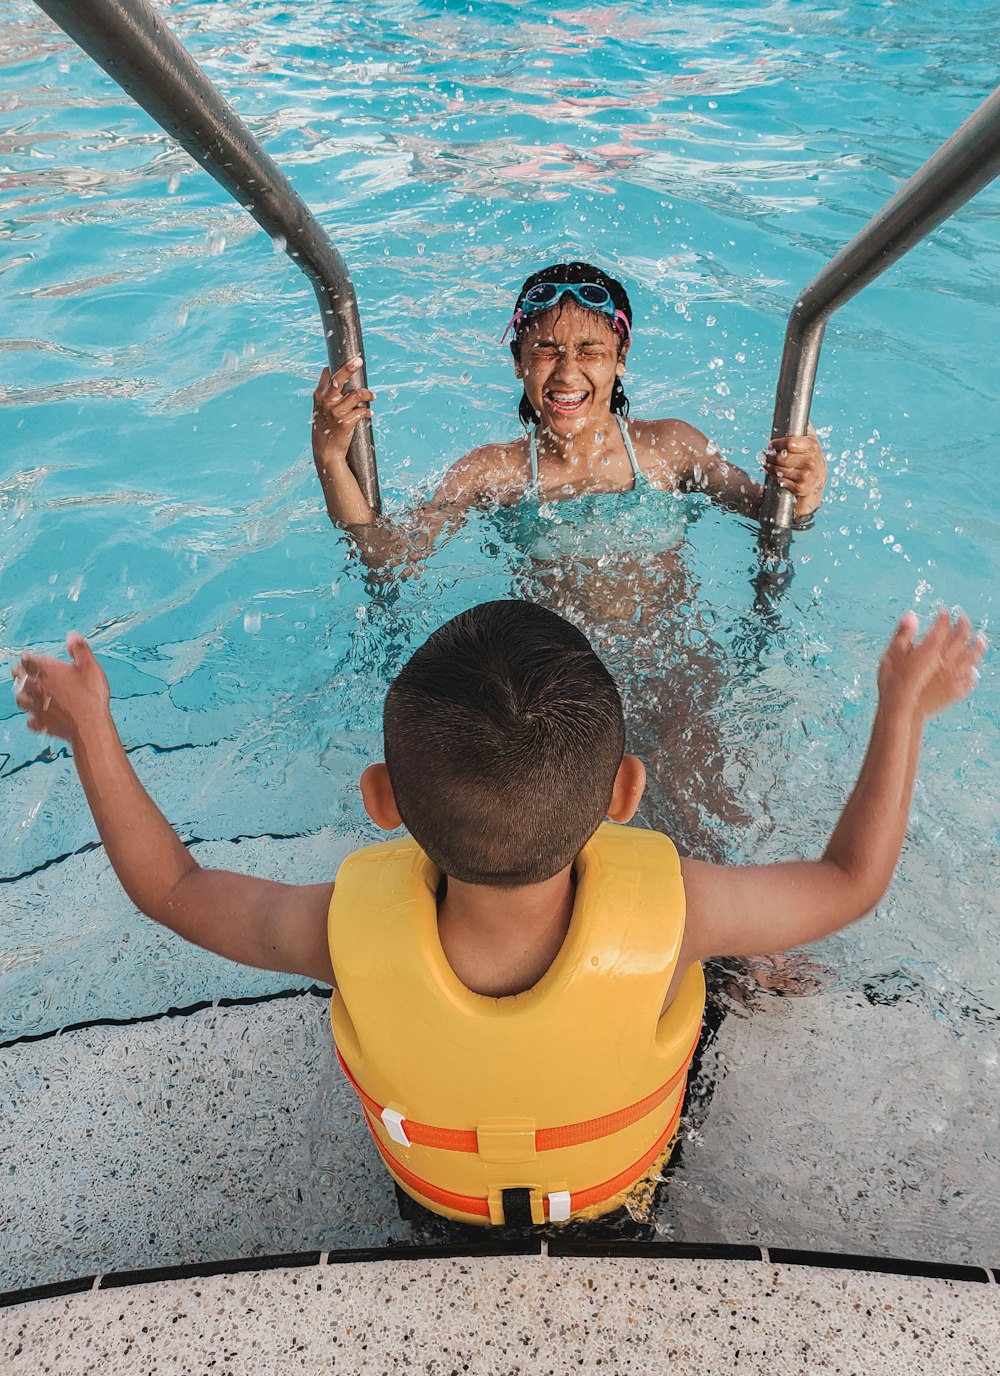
[130,40]
[961,167]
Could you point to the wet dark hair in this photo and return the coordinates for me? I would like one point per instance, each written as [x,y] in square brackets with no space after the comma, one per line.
[503,736]
[572,274]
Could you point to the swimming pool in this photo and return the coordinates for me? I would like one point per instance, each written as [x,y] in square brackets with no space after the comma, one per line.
[156,493]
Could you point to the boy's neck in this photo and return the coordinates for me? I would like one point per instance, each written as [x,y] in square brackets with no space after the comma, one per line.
[501,941]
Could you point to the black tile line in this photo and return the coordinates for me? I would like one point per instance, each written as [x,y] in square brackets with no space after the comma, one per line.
[597,1247]
[898,1266]
[529,1246]
[195,1269]
[49,756]
[46,756]
[46,1292]
[47,864]
[316,990]
[189,842]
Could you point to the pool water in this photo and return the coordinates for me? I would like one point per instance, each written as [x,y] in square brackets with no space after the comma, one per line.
[156,492]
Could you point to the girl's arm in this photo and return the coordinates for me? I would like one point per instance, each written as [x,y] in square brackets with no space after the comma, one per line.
[254,921]
[767,908]
[795,462]
[484,474]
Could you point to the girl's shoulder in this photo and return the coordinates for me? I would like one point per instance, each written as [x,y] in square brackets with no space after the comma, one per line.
[491,473]
[666,449]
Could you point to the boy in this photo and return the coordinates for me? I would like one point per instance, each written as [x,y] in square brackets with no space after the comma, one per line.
[518,990]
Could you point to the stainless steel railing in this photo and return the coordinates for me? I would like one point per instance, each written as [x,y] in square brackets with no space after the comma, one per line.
[130,40]
[960,168]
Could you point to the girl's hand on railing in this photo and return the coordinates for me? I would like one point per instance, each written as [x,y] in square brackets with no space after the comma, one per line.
[337,410]
[797,462]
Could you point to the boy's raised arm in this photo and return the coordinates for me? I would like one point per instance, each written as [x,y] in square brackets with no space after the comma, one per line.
[255,921]
[760,909]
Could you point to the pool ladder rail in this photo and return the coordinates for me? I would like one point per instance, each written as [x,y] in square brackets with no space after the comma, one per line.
[961,167]
[136,48]
[133,44]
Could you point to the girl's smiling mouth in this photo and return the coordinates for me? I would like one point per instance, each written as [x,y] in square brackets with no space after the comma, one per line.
[565,403]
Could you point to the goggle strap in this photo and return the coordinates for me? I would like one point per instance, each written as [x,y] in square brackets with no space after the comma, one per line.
[620,315]
[512,324]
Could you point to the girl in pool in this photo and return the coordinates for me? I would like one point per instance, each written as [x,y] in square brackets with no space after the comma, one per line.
[570,335]
[571,330]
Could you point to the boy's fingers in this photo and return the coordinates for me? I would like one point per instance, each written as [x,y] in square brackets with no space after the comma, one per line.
[79,651]
[935,641]
[906,629]
[964,645]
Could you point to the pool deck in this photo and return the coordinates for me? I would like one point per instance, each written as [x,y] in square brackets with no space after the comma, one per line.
[218,1133]
[511,1314]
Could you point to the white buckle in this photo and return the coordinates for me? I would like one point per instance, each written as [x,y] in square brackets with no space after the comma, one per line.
[559,1209]
[392,1121]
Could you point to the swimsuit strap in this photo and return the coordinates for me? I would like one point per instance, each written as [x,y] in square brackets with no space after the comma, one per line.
[639,478]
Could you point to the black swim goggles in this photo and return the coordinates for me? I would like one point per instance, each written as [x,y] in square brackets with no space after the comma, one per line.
[591,295]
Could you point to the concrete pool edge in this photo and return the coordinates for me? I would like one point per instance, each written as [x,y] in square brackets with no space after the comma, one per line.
[515,1314]
[550,1248]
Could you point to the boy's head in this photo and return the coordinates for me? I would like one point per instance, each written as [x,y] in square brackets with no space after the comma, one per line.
[504,735]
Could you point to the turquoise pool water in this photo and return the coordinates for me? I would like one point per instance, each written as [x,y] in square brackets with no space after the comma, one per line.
[156,367]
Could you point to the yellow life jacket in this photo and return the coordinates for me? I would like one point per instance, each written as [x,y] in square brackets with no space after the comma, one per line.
[569,1092]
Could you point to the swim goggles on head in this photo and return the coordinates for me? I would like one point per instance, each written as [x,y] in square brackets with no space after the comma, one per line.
[591,295]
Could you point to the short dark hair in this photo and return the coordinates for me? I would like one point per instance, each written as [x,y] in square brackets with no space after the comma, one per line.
[503,736]
[573,274]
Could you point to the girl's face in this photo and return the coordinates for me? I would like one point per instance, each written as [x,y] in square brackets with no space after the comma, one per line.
[569,360]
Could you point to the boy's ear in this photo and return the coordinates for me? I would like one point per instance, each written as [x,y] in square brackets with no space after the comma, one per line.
[379,799]
[627,792]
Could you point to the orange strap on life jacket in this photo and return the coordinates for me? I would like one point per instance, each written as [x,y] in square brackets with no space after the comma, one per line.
[580,1199]
[546,1139]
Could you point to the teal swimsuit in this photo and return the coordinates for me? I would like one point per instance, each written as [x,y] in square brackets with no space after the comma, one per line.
[595,524]
[639,479]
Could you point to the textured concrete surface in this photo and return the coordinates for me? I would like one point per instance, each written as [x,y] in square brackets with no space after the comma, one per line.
[508,1316]
[230,1133]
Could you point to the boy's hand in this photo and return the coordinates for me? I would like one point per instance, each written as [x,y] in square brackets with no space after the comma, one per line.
[336,412]
[797,462]
[62,699]
[929,675]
